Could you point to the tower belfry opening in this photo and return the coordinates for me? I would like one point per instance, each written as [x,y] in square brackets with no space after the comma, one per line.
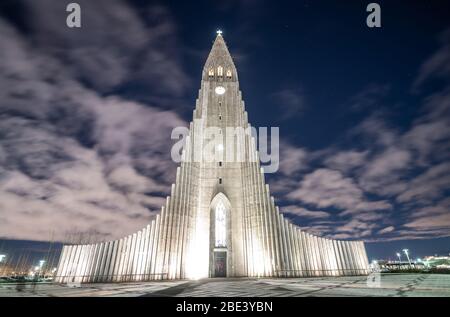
[220,218]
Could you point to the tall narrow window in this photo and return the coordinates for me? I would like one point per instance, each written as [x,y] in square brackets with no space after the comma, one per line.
[229,73]
[211,72]
[220,71]
[221,225]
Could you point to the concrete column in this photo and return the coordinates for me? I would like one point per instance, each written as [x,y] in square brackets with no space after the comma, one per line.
[317,256]
[281,250]
[61,264]
[349,257]
[365,259]
[276,237]
[92,258]
[358,257]
[64,272]
[149,250]
[178,224]
[154,263]
[126,259]
[346,267]
[301,249]
[332,258]
[329,257]
[109,255]
[133,256]
[286,267]
[113,259]
[82,262]
[169,233]
[353,257]
[296,251]
[338,258]
[321,256]
[123,251]
[267,232]
[315,252]
[286,225]
[139,254]
[76,263]
[67,262]
[101,254]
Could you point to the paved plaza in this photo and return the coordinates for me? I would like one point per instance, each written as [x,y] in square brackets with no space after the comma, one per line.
[392,285]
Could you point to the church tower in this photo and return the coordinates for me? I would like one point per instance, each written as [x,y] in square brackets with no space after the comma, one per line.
[220,219]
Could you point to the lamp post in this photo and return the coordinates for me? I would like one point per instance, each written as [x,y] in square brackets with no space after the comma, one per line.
[41,264]
[406,251]
[399,260]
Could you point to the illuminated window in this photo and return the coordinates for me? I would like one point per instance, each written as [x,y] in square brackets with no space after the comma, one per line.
[211,72]
[229,73]
[221,225]
[220,71]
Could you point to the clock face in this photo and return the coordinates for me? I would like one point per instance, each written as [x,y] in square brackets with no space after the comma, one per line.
[220,90]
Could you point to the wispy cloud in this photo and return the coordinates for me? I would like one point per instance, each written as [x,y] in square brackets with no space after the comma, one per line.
[72,158]
[291,102]
[392,185]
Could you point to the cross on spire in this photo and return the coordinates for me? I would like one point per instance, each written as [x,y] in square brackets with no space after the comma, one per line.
[219,32]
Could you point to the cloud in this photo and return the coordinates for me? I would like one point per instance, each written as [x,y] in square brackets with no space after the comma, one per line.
[426,187]
[438,65]
[302,212]
[292,159]
[114,46]
[72,159]
[329,188]
[429,220]
[345,161]
[369,97]
[386,230]
[291,102]
[386,183]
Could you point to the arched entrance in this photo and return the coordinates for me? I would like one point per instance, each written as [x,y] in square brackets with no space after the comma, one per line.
[220,242]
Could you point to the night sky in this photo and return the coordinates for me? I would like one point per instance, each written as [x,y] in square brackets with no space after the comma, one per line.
[364,114]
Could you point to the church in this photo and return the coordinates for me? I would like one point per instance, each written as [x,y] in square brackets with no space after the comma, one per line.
[220,219]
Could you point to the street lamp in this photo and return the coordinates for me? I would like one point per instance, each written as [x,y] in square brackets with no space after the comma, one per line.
[406,251]
[41,264]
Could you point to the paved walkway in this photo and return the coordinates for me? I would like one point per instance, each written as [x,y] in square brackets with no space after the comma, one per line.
[398,285]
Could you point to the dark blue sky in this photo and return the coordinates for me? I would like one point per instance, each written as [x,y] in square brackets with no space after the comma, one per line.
[363,113]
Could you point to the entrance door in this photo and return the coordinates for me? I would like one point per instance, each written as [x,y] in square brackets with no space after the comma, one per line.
[220,264]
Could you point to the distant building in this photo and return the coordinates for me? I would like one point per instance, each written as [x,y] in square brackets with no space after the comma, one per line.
[437,261]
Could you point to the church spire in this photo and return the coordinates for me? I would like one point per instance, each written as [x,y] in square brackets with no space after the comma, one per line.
[219,65]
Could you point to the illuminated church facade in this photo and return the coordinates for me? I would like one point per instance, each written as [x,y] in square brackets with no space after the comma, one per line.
[220,219]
